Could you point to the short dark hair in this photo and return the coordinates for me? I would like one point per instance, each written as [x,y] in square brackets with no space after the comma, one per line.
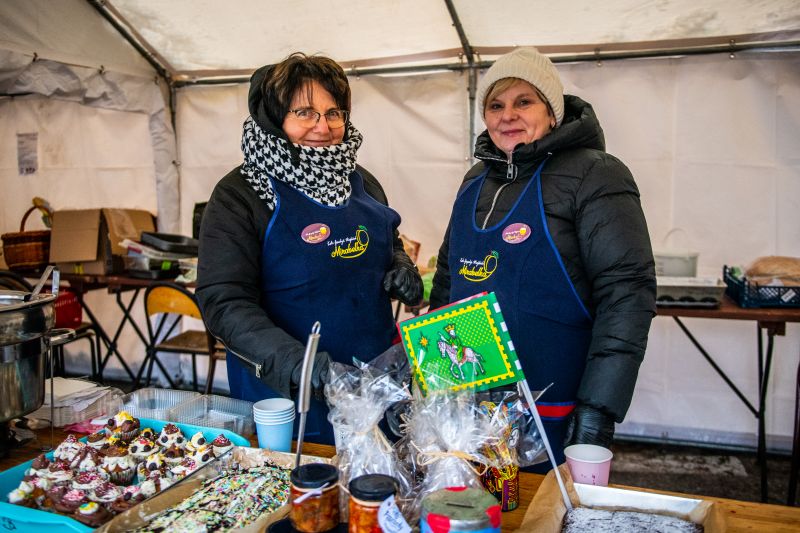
[294,72]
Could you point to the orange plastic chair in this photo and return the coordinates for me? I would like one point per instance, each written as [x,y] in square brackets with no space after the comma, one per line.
[169,303]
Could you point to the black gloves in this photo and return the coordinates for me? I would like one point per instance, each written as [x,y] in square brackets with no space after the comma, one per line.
[403,281]
[588,425]
[319,374]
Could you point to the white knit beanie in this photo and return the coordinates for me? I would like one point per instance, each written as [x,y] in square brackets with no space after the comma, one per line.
[529,65]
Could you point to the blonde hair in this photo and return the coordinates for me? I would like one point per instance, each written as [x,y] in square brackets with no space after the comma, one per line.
[504,84]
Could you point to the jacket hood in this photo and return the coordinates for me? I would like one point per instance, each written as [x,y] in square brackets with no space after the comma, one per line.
[580,129]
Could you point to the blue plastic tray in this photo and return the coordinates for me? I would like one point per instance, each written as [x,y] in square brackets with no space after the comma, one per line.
[18,518]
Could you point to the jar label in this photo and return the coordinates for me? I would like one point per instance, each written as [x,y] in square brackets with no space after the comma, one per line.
[390,518]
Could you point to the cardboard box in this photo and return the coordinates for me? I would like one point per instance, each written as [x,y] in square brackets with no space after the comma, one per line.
[86,241]
[546,512]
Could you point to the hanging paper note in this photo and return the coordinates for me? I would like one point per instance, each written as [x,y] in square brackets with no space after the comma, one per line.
[460,346]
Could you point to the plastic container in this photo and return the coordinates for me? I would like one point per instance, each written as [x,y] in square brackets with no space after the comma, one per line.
[18,518]
[155,403]
[747,294]
[217,412]
[462,509]
[168,242]
[674,260]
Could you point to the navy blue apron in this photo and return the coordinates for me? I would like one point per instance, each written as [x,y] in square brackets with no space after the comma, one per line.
[548,323]
[325,264]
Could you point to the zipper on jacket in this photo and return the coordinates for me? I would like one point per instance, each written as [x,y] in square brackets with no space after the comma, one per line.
[511,175]
[255,366]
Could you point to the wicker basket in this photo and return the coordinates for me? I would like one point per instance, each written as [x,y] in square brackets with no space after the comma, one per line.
[27,250]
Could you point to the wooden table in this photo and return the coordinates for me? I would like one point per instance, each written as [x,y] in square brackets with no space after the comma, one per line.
[741,516]
[773,322]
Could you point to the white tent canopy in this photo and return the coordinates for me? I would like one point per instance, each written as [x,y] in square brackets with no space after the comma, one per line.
[713,139]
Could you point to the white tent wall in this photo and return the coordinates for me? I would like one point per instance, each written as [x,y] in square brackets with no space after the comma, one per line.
[712,144]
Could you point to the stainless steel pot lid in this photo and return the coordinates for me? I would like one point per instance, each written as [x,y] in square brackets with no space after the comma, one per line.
[15,300]
[21,321]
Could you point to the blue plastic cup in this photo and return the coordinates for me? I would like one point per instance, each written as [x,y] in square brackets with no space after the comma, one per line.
[275,436]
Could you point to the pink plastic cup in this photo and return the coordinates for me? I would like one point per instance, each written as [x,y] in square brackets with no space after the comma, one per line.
[589,464]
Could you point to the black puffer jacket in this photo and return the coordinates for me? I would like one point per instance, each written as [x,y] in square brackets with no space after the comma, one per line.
[229,268]
[593,212]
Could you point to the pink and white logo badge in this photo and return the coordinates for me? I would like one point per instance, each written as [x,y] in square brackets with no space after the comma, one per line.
[516,233]
[315,233]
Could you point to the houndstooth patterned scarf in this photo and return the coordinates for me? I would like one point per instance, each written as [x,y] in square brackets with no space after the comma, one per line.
[322,173]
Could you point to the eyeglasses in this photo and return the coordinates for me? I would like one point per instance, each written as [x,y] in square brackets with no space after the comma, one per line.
[335,118]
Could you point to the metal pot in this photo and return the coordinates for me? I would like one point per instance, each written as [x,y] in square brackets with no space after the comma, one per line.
[24,328]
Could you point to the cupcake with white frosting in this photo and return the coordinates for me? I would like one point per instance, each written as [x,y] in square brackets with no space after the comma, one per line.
[68,450]
[119,465]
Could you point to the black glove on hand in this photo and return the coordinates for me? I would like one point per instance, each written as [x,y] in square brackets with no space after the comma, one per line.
[590,426]
[403,281]
[393,419]
[319,374]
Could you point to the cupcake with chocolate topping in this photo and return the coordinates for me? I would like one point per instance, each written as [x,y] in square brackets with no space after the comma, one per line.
[22,495]
[88,481]
[53,495]
[221,445]
[106,493]
[68,450]
[187,466]
[173,455]
[70,500]
[39,467]
[202,457]
[130,497]
[154,484]
[141,448]
[123,425]
[119,465]
[197,442]
[97,440]
[153,464]
[171,436]
[88,460]
[92,514]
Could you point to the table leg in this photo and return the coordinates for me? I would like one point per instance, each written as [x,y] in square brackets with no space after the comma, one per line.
[111,346]
[795,467]
[762,408]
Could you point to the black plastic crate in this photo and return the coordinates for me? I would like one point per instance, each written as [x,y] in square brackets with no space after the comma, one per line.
[748,295]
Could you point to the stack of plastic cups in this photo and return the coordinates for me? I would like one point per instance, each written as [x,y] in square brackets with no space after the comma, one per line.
[274,418]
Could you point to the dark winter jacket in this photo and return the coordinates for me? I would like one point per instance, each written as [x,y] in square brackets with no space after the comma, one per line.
[229,269]
[593,212]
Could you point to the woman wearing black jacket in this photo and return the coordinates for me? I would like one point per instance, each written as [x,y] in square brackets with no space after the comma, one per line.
[297,234]
[574,269]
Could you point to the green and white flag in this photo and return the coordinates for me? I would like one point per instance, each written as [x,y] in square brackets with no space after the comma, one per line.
[460,346]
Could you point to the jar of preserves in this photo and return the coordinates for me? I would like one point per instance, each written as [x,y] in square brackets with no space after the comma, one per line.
[314,498]
[366,495]
[460,510]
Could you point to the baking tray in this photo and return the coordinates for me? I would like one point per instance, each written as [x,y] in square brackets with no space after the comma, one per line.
[18,518]
[144,512]
[155,403]
[168,242]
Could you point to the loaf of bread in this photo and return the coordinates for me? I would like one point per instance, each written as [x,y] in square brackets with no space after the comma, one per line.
[774,269]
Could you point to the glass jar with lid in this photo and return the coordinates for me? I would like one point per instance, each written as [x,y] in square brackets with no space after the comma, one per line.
[314,498]
[367,492]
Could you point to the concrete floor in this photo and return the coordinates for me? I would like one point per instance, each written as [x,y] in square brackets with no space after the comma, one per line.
[699,471]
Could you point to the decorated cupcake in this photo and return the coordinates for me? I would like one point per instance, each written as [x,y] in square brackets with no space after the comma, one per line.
[59,472]
[130,497]
[97,440]
[68,450]
[22,495]
[154,464]
[171,436]
[106,493]
[197,442]
[70,500]
[154,484]
[53,496]
[119,465]
[173,455]
[202,457]
[123,425]
[91,514]
[88,460]
[88,481]
[141,448]
[221,445]
[148,433]
[187,466]
[38,488]
[39,468]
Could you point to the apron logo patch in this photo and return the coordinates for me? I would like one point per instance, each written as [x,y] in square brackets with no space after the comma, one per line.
[516,233]
[478,269]
[350,247]
[315,233]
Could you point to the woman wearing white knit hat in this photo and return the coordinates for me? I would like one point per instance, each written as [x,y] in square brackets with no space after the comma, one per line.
[575,274]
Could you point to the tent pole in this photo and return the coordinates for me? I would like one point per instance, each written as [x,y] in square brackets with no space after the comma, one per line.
[472,71]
